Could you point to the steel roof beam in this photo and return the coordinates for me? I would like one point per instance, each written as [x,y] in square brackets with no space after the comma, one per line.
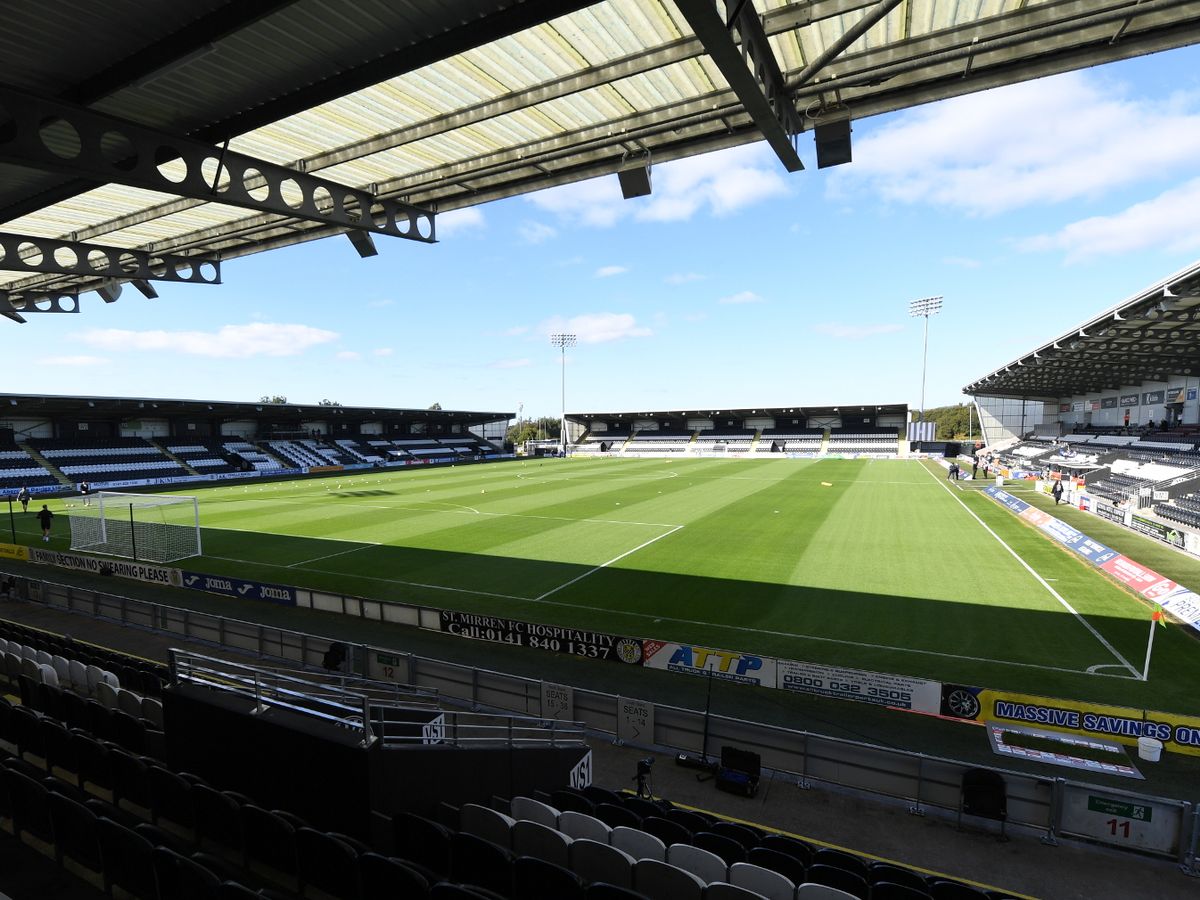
[49,134]
[750,70]
[853,33]
[27,253]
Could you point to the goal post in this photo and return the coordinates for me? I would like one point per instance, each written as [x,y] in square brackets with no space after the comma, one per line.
[150,527]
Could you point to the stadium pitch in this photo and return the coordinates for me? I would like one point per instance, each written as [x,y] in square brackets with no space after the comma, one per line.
[871,564]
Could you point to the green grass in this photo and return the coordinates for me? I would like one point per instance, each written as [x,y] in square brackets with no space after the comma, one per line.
[869,564]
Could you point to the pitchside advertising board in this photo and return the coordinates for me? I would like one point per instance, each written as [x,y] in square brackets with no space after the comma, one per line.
[238,587]
[1182,603]
[896,691]
[1178,733]
[121,568]
[556,638]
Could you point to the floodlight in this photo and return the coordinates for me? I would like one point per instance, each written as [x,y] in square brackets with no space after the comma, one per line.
[925,307]
[563,341]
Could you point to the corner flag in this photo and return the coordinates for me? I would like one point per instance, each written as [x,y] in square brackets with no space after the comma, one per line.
[1159,615]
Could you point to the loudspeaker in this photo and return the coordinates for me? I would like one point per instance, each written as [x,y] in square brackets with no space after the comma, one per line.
[833,143]
[635,180]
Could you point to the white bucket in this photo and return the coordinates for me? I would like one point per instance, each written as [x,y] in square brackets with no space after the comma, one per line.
[1149,749]
[999,481]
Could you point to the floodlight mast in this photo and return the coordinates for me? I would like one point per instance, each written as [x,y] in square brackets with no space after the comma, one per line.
[562,342]
[925,307]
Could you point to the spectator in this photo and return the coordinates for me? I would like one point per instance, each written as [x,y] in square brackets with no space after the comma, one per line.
[1057,492]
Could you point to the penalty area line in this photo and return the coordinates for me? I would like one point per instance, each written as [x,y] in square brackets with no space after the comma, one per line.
[605,565]
[1042,581]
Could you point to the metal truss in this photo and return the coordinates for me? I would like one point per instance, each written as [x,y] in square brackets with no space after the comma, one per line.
[26,253]
[751,70]
[13,307]
[43,133]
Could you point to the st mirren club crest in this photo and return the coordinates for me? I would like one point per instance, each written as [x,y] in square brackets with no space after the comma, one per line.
[629,650]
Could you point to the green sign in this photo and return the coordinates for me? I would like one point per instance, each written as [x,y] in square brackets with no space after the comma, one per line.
[1117,808]
[385,659]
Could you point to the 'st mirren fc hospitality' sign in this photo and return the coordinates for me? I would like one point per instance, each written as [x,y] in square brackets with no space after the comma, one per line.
[556,638]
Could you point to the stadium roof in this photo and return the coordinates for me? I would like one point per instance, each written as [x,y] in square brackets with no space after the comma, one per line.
[212,129]
[17,405]
[774,412]
[1151,336]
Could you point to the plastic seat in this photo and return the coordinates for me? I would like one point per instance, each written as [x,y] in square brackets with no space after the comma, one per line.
[269,840]
[787,866]
[423,841]
[638,844]
[25,725]
[837,877]
[945,889]
[540,841]
[30,804]
[725,847]
[811,891]
[880,871]
[640,806]
[706,866]
[537,879]
[890,890]
[128,859]
[615,816]
[747,837]
[181,878]
[130,733]
[129,702]
[486,823]
[218,818]
[659,881]
[594,861]
[326,863]
[94,766]
[476,860]
[794,848]
[602,891]
[828,856]
[766,882]
[47,674]
[131,784]
[580,825]
[77,672]
[571,800]
[381,876]
[152,711]
[666,831]
[534,811]
[724,891]
[171,799]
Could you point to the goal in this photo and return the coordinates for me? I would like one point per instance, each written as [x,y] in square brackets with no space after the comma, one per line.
[151,527]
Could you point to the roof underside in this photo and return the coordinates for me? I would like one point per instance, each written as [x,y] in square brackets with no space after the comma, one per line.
[446,104]
[769,412]
[128,408]
[1149,337]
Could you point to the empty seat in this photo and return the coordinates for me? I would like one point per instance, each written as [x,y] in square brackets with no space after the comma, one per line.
[171,799]
[218,818]
[423,841]
[580,825]
[326,863]
[638,844]
[76,833]
[181,878]
[770,884]
[476,860]
[708,867]
[787,866]
[725,891]
[534,811]
[128,859]
[616,816]
[486,823]
[666,831]
[129,702]
[382,876]
[811,891]
[661,881]
[540,841]
[945,889]
[537,879]
[594,861]
[836,877]
[269,840]
[570,799]
[828,856]
[725,847]
[881,871]
[890,890]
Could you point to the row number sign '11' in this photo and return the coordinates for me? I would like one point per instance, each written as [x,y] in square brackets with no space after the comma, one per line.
[1124,821]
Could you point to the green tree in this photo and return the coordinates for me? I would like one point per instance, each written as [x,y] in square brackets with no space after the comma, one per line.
[435,406]
[953,422]
[328,403]
[276,399]
[545,428]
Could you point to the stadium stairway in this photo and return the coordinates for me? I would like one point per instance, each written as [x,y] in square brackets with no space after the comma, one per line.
[824,448]
[754,441]
[46,464]
[182,463]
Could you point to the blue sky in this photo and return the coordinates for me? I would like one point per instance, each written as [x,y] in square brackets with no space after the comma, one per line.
[1029,208]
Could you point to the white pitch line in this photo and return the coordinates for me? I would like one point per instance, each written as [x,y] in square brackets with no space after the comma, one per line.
[1042,581]
[363,546]
[605,565]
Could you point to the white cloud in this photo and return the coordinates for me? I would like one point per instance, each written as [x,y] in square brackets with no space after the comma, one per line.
[1045,141]
[456,221]
[963,262]
[610,271]
[535,232]
[683,278]
[81,361]
[510,364]
[741,298]
[855,332]
[1170,221]
[597,328]
[347,355]
[227,342]
[721,183]
[382,351]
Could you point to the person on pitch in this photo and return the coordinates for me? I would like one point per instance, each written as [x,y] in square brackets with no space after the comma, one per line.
[23,498]
[1056,492]
[84,490]
[45,517]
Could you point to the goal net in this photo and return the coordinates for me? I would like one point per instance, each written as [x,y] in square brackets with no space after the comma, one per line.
[151,527]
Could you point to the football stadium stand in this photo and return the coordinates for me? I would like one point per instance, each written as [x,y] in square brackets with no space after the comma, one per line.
[109,460]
